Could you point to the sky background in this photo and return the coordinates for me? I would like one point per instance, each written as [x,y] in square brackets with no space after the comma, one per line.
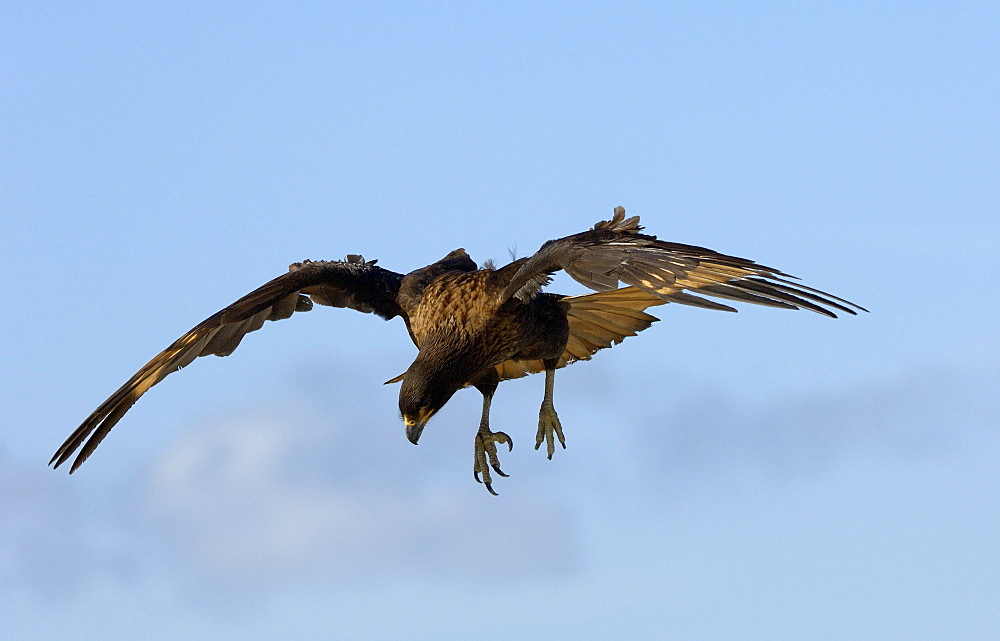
[767,474]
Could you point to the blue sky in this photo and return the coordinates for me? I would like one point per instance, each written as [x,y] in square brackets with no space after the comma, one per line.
[766,474]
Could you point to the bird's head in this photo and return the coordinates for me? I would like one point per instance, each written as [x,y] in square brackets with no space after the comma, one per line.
[425,390]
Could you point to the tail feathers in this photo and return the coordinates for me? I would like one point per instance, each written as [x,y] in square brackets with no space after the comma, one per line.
[596,321]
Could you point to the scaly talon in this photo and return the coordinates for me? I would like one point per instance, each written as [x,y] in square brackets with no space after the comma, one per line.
[486,456]
[549,429]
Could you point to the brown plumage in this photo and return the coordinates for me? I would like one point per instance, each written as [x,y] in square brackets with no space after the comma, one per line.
[479,326]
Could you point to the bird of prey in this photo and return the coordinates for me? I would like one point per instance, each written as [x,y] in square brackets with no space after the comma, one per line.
[480,325]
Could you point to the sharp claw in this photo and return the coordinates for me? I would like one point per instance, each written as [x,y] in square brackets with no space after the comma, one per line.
[549,430]
[486,457]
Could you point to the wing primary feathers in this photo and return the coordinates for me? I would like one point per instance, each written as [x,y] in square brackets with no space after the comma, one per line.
[819,295]
[764,296]
[697,301]
[614,251]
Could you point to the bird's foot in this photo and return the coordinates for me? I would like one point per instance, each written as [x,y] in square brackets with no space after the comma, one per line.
[549,429]
[486,456]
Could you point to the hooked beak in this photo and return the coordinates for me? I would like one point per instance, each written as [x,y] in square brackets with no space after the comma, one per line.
[415,425]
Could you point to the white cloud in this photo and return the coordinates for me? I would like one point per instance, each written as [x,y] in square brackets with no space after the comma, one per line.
[238,501]
[222,489]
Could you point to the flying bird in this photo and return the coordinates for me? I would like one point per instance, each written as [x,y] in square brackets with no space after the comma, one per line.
[478,326]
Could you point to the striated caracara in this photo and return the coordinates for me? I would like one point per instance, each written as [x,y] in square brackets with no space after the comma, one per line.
[479,326]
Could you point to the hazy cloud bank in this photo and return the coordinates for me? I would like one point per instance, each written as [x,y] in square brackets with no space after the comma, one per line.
[245,506]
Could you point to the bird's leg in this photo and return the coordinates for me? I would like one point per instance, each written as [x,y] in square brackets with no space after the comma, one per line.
[549,427]
[485,455]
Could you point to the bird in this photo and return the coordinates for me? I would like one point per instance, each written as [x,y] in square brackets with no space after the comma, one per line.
[480,325]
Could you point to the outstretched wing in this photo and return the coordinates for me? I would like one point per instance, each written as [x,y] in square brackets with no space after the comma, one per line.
[353,283]
[615,250]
